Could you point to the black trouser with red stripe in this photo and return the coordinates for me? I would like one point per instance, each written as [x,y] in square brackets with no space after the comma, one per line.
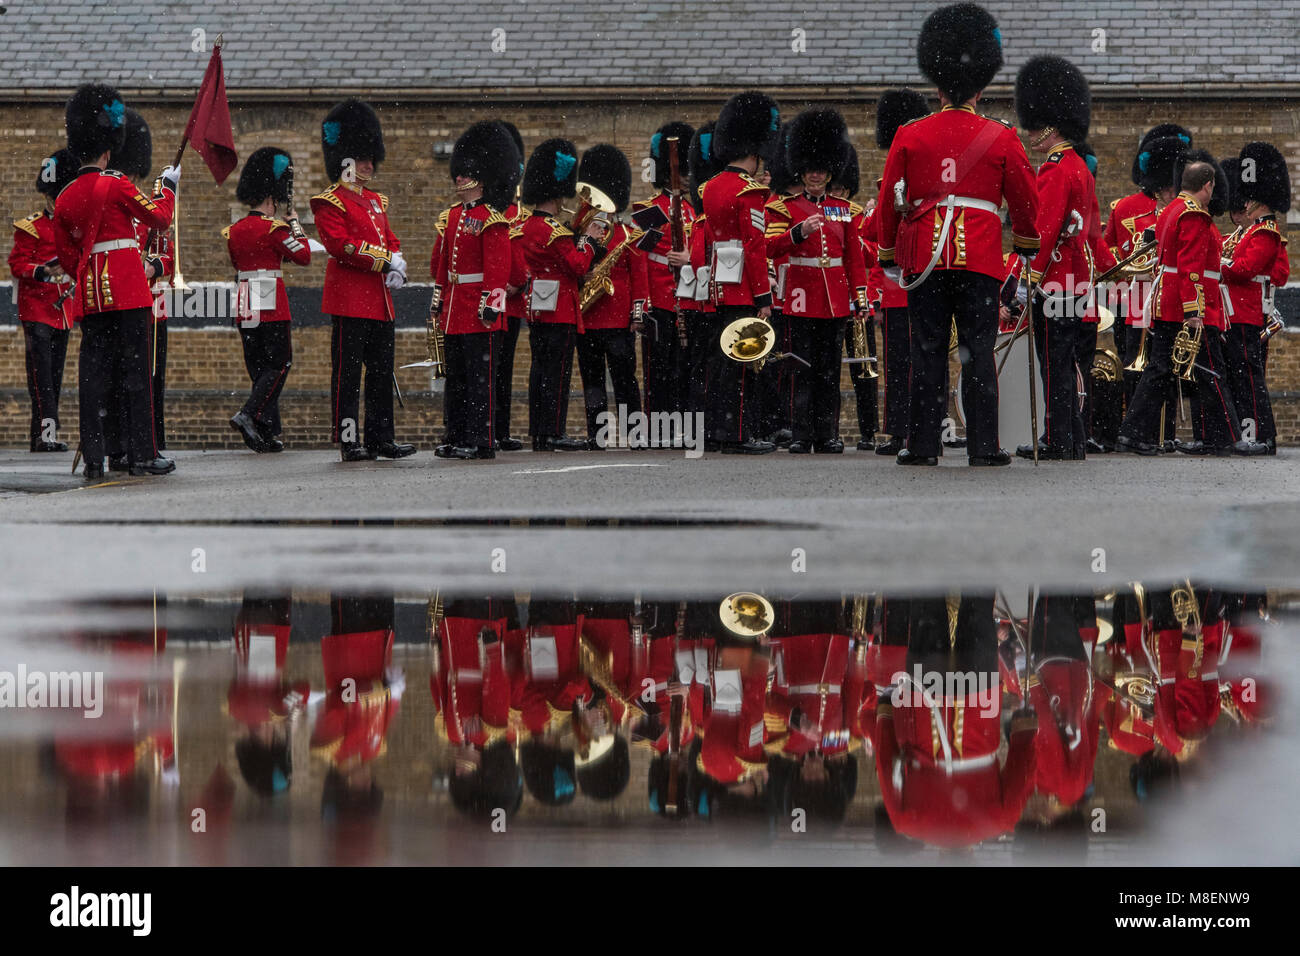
[1220,423]
[1243,353]
[897,333]
[114,361]
[548,379]
[507,340]
[158,359]
[664,362]
[268,356]
[865,388]
[356,343]
[469,403]
[1056,333]
[700,334]
[47,349]
[616,348]
[733,412]
[1214,412]
[820,343]
[972,299]
[776,382]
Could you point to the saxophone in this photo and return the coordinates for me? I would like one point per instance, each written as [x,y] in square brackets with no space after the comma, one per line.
[599,282]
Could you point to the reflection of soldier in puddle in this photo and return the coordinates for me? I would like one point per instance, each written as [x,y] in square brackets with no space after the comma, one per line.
[936,756]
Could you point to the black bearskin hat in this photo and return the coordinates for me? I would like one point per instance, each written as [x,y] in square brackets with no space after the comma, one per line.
[1219,198]
[135,158]
[549,773]
[267,768]
[746,125]
[780,179]
[268,172]
[606,168]
[1270,182]
[486,152]
[702,164]
[551,173]
[350,130]
[56,172]
[513,130]
[495,783]
[849,177]
[1052,91]
[818,140]
[1166,152]
[960,50]
[1231,166]
[894,109]
[684,132]
[96,121]
[606,777]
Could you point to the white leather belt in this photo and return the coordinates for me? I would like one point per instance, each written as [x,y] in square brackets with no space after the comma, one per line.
[113,244]
[1172,270]
[968,201]
[260,274]
[655,257]
[960,764]
[1212,275]
[948,204]
[728,244]
[815,263]
[465,278]
[814,688]
[1262,280]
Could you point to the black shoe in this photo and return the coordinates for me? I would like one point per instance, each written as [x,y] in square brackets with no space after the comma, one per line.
[159,466]
[542,444]
[1271,445]
[1249,449]
[1135,447]
[565,443]
[50,446]
[509,444]
[800,448]
[1169,447]
[485,452]
[1194,447]
[866,444]
[905,457]
[1099,447]
[997,459]
[94,471]
[353,451]
[954,443]
[274,444]
[118,463]
[391,449]
[461,452]
[445,450]
[1044,453]
[751,447]
[832,446]
[891,447]
[782,437]
[247,428]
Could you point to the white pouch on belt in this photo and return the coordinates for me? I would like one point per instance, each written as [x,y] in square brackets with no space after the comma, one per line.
[686,283]
[261,293]
[728,262]
[545,295]
[702,284]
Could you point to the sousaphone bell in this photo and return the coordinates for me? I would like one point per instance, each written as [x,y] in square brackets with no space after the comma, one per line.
[747,615]
[750,341]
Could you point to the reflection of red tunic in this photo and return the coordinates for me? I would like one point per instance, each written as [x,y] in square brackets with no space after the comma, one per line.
[734,734]
[811,677]
[353,725]
[1187,696]
[259,694]
[1066,742]
[548,676]
[470,686]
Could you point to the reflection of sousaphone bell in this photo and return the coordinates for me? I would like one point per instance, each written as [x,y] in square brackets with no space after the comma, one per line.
[746,614]
[748,340]
[592,204]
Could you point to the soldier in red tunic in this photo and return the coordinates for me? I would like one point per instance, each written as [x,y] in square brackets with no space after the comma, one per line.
[45,303]
[945,178]
[738,274]
[1249,256]
[894,109]
[825,274]
[95,233]
[607,339]
[470,285]
[365,266]
[516,306]
[704,358]
[663,365]
[776,380]
[557,261]
[866,390]
[259,244]
[1053,104]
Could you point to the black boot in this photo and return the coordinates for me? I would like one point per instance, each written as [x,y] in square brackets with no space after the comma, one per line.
[159,466]
[247,428]
[392,449]
[355,451]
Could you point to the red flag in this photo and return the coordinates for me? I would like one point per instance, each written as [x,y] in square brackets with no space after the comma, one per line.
[209,126]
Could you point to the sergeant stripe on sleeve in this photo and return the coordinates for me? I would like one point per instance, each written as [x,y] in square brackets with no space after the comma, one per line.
[756,220]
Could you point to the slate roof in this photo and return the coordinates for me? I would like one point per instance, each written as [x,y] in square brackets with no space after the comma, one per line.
[49,46]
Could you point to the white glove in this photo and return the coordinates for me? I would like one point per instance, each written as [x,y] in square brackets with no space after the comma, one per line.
[172,173]
[315,245]
[394,279]
[894,274]
[399,263]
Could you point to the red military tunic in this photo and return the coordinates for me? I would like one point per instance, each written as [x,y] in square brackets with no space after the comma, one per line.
[1061,693]
[113,277]
[1186,667]
[1064,187]
[939,773]
[614,310]
[1188,251]
[473,267]
[734,201]
[734,729]
[470,683]
[259,694]
[258,246]
[978,161]
[1129,218]
[352,728]
[552,255]
[156,249]
[813,699]
[660,276]
[353,225]
[547,677]
[517,302]
[825,273]
[34,247]
[701,255]
[1248,258]
[881,289]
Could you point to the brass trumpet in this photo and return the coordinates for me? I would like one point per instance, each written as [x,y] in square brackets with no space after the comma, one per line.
[434,343]
[1139,363]
[1187,345]
[862,348]
[593,204]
